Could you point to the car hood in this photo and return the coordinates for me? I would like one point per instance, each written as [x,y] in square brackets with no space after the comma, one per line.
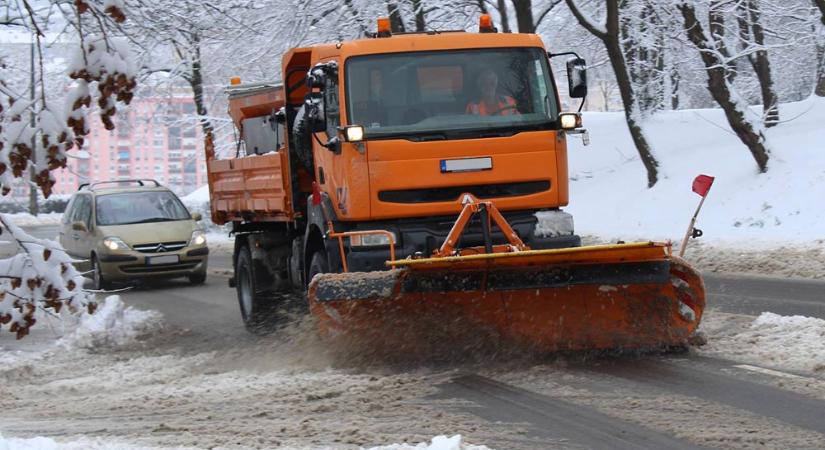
[151,233]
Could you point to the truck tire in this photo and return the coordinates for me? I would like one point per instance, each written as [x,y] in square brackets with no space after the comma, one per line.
[257,311]
[302,139]
[318,264]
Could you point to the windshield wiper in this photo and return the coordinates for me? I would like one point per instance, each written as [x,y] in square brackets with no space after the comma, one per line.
[151,219]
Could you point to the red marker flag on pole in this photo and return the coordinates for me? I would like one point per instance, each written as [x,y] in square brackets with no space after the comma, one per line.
[702,184]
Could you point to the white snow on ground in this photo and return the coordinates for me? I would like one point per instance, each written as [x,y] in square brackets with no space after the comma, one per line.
[793,343]
[113,324]
[28,220]
[437,443]
[44,443]
[84,443]
[609,197]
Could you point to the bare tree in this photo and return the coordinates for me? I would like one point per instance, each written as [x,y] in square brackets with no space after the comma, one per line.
[610,36]
[751,32]
[717,61]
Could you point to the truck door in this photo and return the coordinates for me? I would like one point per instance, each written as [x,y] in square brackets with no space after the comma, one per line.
[342,169]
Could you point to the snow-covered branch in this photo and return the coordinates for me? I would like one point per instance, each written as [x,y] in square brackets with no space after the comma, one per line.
[39,278]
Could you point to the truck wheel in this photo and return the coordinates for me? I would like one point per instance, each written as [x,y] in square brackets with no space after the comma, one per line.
[303,140]
[256,310]
[318,264]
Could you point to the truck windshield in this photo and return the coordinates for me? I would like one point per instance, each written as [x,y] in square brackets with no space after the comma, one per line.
[448,94]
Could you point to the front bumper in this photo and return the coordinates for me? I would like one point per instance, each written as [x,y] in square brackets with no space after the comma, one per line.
[129,264]
[426,235]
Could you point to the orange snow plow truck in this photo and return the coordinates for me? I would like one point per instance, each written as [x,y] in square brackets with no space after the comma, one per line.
[413,183]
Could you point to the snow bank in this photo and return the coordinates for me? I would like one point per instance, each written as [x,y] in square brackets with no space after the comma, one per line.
[43,443]
[794,343]
[199,195]
[609,197]
[113,324]
[437,443]
[28,220]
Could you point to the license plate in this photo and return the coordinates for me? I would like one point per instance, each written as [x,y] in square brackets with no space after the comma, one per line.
[166,259]
[466,164]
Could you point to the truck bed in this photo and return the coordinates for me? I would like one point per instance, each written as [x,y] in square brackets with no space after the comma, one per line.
[250,188]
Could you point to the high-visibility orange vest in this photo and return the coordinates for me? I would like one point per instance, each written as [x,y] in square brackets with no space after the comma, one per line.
[506,106]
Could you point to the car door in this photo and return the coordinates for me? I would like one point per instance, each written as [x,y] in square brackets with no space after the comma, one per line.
[64,236]
[82,239]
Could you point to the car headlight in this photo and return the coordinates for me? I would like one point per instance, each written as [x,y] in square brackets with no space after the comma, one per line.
[198,238]
[371,240]
[114,244]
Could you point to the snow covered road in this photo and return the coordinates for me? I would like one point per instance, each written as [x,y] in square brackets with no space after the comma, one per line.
[202,381]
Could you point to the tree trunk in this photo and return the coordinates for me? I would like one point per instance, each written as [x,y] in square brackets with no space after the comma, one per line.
[752,31]
[675,78]
[611,37]
[821,5]
[505,19]
[719,88]
[524,15]
[396,22]
[617,61]
[819,90]
[196,82]
[420,22]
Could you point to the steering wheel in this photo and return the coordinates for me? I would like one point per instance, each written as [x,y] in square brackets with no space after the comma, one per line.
[500,110]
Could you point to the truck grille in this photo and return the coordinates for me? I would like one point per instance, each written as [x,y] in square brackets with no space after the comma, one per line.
[452,193]
[160,247]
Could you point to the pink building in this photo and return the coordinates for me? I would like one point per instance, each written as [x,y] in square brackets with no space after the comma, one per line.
[157,137]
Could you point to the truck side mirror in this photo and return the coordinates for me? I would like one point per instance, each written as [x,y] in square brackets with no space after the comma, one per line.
[314,110]
[79,226]
[577,77]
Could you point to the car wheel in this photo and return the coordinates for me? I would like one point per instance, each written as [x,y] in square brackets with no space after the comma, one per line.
[99,282]
[198,278]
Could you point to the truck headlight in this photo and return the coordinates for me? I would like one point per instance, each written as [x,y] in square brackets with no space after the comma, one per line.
[114,244]
[371,240]
[198,238]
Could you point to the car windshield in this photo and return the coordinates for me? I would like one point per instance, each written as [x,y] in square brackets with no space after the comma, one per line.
[446,94]
[139,207]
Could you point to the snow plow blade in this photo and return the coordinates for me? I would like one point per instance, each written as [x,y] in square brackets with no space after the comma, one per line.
[622,296]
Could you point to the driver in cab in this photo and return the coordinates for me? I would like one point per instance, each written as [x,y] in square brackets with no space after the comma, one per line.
[490,103]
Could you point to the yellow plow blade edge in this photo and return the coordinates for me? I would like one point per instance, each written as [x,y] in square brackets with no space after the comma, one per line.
[623,296]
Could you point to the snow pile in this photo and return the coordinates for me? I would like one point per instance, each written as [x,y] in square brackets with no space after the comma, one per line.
[609,197]
[28,220]
[43,443]
[437,443]
[786,342]
[198,201]
[112,325]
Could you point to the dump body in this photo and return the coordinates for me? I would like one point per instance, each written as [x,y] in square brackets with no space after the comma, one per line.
[254,186]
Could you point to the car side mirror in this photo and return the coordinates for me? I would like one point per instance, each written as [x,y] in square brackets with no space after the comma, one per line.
[79,226]
[196,216]
[577,77]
